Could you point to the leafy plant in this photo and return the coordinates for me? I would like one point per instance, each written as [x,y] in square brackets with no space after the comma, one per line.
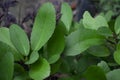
[61,49]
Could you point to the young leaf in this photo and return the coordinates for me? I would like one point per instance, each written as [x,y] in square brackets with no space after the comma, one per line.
[6,62]
[113,75]
[93,23]
[19,39]
[33,57]
[94,73]
[80,40]
[99,51]
[55,45]
[66,15]
[40,70]
[44,26]
[117,25]
[104,66]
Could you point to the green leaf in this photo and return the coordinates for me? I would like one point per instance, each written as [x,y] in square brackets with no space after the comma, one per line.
[40,70]
[85,61]
[66,15]
[99,51]
[104,66]
[93,23]
[94,73]
[19,39]
[6,62]
[113,75]
[44,26]
[117,56]
[5,38]
[20,73]
[33,57]
[55,67]
[81,40]
[109,15]
[117,25]
[55,45]
[105,31]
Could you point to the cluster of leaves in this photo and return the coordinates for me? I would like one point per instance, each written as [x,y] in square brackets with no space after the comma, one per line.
[113,5]
[88,49]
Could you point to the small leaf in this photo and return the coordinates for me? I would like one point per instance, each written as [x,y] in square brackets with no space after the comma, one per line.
[99,51]
[93,23]
[113,75]
[33,57]
[104,66]
[44,26]
[117,25]
[80,40]
[6,63]
[55,45]
[39,70]
[117,56]
[94,73]
[19,39]
[109,15]
[66,15]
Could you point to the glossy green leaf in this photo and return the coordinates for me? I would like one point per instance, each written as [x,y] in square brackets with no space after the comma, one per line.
[99,51]
[113,75]
[40,70]
[93,23]
[66,15]
[19,39]
[6,62]
[81,40]
[117,25]
[55,45]
[104,66]
[94,73]
[44,26]
[33,57]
